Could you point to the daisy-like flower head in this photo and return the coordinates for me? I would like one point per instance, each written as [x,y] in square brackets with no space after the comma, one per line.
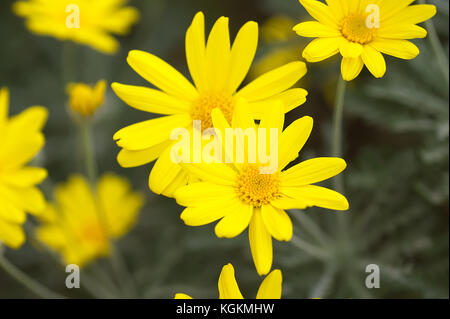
[22,139]
[241,195]
[228,288]
[85,99]
[362,31]
[89,22]
[80,225]
[217,69]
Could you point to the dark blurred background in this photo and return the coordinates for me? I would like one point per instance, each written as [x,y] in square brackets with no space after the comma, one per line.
[396,147]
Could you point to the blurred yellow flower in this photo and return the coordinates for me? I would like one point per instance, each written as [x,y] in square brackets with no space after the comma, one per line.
[80,224]
[228,288]
[241,196]
[22,139]
[85,99]
[89,22]
[362,30]
[218,69]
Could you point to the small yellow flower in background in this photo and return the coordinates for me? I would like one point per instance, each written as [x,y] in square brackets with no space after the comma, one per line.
[21,140]
[218,69]
[80,224]
[228,288]
[240,196]
[362,31]
[277,32]
[85,99]
[89,22]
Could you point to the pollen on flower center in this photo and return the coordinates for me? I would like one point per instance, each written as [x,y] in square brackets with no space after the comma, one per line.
[255,188]
[203,106]
[354,28]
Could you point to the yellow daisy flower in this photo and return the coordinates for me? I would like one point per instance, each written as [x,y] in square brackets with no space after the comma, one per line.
[228,288]
[85,99]
[80,224]
[218,69]
[89,22]
[240,196]
[22,139]
[362,31]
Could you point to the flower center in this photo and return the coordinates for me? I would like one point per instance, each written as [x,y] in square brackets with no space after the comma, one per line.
[255,188]
[355,29]
[93,233]
[203,106]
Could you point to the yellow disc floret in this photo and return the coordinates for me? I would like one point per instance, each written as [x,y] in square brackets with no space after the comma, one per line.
[255,188]
[203,106]
[355,29]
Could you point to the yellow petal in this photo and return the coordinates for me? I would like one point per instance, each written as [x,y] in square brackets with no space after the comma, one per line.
[312,171]
[30,199]
[277,222]
[218,173]
[4,105]
[204,193]
[150,100]
[196,51]
[24,177]
[11,234]
[18,151]
[293,139]
[290,99]
[235,222]
[164,173]
[402,49]
[350,49]
[242,54]
[10,212]
[314,29]
[323,48]
[218,55]
[351,68]
[284,202]
[151,132]
[32,119]
[317,196]
[320,12]
[128,158]
[273,82]
[412,15]
[402,31]
[374,61]
[228,287]
[271,286]
[260,243]
[182,296]
[162,75]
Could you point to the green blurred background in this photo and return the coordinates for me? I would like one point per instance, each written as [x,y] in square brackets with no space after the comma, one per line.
[396,147]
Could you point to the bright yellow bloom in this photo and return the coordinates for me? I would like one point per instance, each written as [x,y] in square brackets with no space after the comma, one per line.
[240,196]
[80,225]
[228,288]
[218,69]
[362,30]
[89,22]
[21,140]
[84,99]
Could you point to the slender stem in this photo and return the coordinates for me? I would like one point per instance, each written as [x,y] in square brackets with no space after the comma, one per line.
[337,147]
[89,153]
[26,281]
[123,274]
[439,51]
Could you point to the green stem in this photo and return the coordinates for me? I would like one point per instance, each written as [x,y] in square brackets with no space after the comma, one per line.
[439,51]
[26,281]
[124,277]
[337,148]
[89,153]
[309,248]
